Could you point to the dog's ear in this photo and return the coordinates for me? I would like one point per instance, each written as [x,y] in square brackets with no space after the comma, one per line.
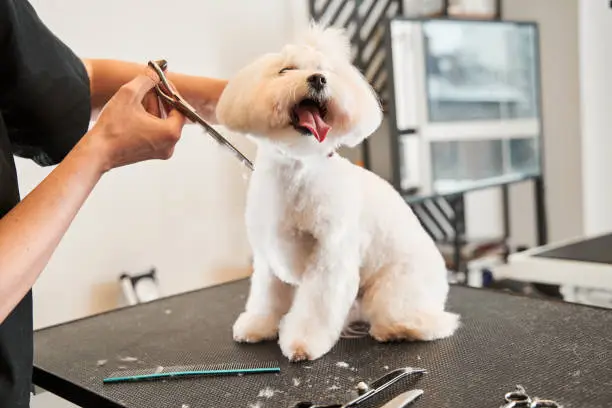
[354,138]
[368,114]
[239,105]
[331,41]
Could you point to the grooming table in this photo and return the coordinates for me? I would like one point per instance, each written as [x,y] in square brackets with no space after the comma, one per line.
[580,266]
[555,350]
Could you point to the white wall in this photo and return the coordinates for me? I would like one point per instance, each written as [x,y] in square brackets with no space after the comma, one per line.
[558,27]
[576,66]
[595,68]
[183,216]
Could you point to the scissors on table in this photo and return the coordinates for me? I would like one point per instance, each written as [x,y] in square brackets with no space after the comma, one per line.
[165,91]
[520,399]
[367,391]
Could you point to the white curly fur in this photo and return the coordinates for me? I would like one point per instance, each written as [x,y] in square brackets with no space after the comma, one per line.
[332,242]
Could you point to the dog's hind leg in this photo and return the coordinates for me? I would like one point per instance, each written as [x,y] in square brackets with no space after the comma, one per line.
[269,299]
[402,305]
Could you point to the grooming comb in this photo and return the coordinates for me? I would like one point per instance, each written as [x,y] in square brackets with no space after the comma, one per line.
[191,371]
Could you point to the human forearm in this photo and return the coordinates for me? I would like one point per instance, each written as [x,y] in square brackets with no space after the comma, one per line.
[107,75]
[32,230]
[125,133]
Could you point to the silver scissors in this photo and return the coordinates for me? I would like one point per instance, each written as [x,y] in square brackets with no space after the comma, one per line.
[520,399]
[165,91]
[368,391]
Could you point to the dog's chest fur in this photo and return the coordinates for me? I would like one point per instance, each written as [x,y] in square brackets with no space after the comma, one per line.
[283,217]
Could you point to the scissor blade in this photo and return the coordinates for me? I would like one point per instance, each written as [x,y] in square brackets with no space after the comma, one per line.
[403,400]
[395,375]
[226,143]
[193,116]
[383,383]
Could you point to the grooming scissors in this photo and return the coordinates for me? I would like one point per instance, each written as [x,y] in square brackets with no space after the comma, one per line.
[169,95]
[377,386]
[520,399]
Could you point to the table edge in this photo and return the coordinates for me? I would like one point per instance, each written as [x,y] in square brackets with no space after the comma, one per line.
[70,391]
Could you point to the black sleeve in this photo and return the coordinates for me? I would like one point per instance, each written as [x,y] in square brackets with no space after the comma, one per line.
[44,87]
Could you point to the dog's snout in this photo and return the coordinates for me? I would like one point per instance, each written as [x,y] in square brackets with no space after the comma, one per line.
[317,81]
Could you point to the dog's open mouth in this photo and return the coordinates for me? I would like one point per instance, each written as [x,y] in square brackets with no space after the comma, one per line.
[308,117]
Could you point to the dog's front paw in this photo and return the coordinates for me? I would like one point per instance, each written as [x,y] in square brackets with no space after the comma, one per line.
[300,342]
[253,328]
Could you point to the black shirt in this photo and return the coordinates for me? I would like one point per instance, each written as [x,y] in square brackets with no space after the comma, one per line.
[44,111]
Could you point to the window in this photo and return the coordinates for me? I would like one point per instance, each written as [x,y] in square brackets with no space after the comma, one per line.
[479,71]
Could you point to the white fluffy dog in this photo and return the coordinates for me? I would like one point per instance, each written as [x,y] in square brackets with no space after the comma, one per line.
[332,242]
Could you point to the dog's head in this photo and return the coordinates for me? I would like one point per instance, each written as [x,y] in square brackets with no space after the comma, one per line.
[308,99]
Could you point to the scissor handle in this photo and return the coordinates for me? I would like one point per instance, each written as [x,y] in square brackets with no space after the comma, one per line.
[517,396]
[159,67]
[520,399]
[383,383]
[165,90]
[168,93]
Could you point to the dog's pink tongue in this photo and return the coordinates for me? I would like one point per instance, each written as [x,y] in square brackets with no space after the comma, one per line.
[310,118]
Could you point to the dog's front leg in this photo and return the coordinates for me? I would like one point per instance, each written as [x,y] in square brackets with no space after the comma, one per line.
[269,299]
[322,302]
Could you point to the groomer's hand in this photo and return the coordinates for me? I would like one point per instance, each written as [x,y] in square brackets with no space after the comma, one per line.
[132,128]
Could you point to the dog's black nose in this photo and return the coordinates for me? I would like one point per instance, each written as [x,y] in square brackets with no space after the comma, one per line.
[317,81]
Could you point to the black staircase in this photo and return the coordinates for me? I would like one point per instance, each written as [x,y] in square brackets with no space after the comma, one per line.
[365,21]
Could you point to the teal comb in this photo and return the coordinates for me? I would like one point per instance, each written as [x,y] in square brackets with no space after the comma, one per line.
[191,371]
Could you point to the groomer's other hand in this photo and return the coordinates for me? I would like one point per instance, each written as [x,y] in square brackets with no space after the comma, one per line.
[131,128]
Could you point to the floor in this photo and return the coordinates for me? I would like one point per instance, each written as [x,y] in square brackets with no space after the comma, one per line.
[48,400]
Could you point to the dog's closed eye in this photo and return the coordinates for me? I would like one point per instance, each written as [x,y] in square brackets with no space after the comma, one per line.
[290,68]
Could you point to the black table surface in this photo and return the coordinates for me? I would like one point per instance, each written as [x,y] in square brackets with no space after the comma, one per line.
[596,249]
[555,350]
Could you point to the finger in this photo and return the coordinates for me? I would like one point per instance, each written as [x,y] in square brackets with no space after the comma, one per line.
[176,119]
[170,108]
[143,83]
[151,104]
[166,107]
[168,153]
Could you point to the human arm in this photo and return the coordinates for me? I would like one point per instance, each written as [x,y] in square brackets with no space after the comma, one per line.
[107,75]
[125,133]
